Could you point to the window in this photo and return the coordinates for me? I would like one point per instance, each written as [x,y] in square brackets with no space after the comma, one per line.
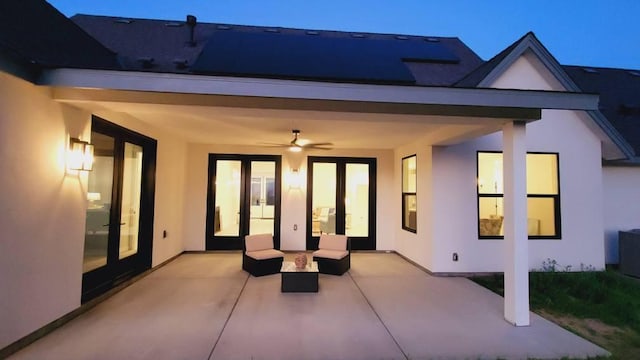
[409,198]
[543,196]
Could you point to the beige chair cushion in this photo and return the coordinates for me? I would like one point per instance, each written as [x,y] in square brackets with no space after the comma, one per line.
[330,254]
[333,242]
[265,254]
[258,242]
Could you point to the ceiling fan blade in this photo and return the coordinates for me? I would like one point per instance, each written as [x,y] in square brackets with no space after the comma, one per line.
[318,144]
[273,144]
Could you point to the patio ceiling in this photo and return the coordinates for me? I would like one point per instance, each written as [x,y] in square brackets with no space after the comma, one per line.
[250,126]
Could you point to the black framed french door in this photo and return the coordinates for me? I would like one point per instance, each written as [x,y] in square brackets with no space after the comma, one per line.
[120,210]
[341,199]
[243,198]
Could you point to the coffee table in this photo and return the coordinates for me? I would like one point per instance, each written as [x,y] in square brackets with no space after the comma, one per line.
[299,280]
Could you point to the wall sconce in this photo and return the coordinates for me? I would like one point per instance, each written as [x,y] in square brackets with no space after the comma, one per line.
[295,182]
[80,155]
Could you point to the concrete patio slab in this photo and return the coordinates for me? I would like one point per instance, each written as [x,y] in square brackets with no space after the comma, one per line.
[203,306]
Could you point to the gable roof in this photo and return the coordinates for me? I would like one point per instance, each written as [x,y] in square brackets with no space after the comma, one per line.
[619,91]
[34,33]
[165,46]
[488,72]
[616,145]
[475,77]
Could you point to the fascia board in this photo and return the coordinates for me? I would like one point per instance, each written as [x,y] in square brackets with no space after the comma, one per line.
[613,134]
[292,89]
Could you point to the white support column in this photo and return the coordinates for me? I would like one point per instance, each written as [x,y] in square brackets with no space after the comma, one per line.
[516,272]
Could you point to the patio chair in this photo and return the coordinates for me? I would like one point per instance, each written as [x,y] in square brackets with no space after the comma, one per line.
[333,254]
[259,257]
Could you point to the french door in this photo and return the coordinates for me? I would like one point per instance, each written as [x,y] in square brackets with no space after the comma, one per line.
[342,200]
[120,195]
[243,198]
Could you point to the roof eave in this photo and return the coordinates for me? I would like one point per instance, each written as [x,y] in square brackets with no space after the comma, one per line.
[310,90]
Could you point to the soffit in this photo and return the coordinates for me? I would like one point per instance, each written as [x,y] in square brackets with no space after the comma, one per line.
[221,110]
[230,125]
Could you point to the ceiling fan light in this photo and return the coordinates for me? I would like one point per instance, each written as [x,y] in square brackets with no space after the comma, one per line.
[295,148]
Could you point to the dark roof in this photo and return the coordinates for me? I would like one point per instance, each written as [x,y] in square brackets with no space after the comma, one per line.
[165,46]
[34,32]
[474,78]
[619,91]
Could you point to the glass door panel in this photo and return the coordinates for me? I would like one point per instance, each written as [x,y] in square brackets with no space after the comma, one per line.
[119,226]
[99,190]
[342,200]
[130,207]
[270,191]
[256,198]
[262,197]
[323,202]
[243,199]
[227,207]
[357,200]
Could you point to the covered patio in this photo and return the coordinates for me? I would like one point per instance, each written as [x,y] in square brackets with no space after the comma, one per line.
[203,306]
[237,115]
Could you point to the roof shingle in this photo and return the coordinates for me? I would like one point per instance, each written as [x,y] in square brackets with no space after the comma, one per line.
[34,32]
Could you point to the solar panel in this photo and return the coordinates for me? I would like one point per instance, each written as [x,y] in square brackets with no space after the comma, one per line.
[300,56]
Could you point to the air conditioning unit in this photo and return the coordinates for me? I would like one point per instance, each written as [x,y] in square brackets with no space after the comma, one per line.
[629,249]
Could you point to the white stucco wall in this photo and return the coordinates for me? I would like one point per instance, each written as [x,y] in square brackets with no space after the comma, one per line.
[455,199]
[621,206]
[418,246]
[42,207]
[293,201]
[447,195]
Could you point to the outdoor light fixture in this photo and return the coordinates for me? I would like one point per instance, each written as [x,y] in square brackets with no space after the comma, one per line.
[79,155]
[294,179]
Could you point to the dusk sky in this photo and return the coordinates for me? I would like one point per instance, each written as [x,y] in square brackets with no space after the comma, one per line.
[577,32]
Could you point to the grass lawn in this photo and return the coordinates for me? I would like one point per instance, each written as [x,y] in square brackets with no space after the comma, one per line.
[601,306]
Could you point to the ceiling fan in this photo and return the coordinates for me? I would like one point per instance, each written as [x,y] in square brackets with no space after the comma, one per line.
[298,144]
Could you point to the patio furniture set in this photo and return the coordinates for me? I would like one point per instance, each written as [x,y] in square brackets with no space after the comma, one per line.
[332,257]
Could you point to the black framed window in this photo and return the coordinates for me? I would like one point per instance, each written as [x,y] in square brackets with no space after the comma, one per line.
[543,196]
[409,197]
